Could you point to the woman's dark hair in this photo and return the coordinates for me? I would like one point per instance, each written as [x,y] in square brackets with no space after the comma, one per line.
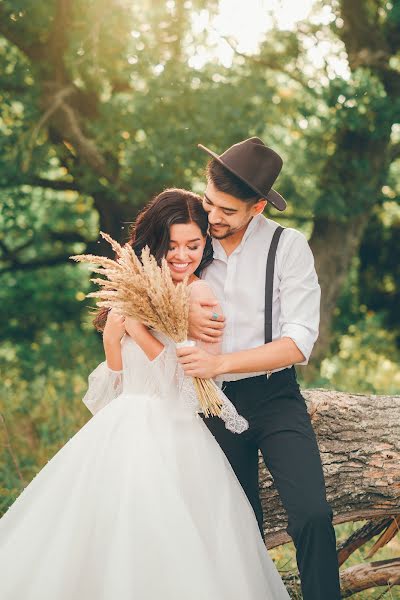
[227,182]
[152,228]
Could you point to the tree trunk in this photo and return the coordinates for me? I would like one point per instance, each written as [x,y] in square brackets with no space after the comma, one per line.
[359,441]
[334,245]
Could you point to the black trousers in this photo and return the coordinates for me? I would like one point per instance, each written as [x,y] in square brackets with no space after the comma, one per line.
[280,427]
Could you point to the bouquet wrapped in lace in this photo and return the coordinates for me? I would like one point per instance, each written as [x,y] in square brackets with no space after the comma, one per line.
[141,289]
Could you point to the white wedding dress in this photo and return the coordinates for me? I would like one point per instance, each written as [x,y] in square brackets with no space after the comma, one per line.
[141,504]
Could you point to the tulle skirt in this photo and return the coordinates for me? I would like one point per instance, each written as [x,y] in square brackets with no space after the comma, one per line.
[141,504]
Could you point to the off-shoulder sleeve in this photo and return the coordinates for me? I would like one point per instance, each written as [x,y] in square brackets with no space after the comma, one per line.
[104,385]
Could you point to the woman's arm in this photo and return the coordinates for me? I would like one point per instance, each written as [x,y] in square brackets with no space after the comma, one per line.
[113,332]
[106,381]
[150,345]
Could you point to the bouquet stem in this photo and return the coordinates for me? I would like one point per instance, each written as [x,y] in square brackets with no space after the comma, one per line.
[209,399]
[206,390]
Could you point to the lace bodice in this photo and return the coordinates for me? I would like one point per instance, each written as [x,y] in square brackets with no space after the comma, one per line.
[139,374]
[162,377]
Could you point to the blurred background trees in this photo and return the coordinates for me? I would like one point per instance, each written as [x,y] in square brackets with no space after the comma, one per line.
[102,105]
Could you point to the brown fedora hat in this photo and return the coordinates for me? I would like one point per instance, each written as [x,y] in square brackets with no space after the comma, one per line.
[256,165]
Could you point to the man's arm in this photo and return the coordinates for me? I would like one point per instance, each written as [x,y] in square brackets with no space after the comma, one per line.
[298,322]
[299,293]
[277,354]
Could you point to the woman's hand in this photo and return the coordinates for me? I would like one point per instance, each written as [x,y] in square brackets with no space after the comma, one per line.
[134,328]
[197,362]
[114,329]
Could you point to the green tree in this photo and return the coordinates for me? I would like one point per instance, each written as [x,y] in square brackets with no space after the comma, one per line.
[347,132]
[100,100]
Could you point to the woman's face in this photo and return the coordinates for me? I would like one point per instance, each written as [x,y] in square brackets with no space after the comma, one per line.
[186,249]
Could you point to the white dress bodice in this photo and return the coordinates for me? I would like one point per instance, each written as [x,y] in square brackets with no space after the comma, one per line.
[161,378]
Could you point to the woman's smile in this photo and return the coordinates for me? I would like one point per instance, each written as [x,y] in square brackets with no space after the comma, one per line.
[179,267]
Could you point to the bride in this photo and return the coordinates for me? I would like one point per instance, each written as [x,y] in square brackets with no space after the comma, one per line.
[141,504]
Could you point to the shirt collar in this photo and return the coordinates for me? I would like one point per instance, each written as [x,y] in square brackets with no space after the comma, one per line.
[219,252]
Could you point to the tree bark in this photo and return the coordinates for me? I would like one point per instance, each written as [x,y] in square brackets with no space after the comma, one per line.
[334,245]
[364,576]
[335,240]
[340,222]
[359,441]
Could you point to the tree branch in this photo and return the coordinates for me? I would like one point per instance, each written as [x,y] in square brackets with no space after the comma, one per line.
[58,39]
[68,237]
[269,64]
[14,88]
[7,253]
[15,264]
[57,100]
[36,264]
[390,532]
[366,44]
[52,184]
[367,575]
[363,38]
[361,536]
[61,115]
[15,33]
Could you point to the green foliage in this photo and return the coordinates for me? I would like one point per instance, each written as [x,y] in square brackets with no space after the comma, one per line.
[366,360]
[42,383]
[125,75]
[285,559]
[379,270]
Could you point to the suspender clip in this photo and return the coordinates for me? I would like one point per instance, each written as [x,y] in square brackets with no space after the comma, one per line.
[269,373]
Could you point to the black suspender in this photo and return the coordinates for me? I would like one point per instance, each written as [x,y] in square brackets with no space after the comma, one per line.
[269,284]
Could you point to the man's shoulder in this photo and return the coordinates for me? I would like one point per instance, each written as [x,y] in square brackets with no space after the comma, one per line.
[289,234]
[293,244]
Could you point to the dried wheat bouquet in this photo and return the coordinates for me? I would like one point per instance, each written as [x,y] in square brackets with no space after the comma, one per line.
[141,289]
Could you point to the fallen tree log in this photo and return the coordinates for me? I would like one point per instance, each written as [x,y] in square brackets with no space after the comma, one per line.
[359,440]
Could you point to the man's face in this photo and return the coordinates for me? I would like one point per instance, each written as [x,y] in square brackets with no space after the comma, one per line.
[228,215]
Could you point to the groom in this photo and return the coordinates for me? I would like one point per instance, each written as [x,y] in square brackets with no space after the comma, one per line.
[264,278]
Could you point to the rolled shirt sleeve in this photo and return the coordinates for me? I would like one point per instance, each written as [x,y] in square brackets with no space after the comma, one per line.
[300,294]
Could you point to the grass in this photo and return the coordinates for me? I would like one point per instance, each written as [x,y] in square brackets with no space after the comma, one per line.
[285,560]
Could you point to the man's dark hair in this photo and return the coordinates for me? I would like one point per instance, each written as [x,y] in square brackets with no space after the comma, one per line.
[228,183]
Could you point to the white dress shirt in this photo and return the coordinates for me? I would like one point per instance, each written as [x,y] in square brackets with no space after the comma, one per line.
[238,281]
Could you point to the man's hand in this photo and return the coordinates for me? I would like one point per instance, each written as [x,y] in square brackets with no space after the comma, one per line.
[203,323]
[196,362]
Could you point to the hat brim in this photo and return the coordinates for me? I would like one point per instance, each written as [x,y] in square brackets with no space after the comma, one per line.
[272,196]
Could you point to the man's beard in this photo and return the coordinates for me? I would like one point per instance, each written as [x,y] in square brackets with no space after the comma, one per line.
[227,231]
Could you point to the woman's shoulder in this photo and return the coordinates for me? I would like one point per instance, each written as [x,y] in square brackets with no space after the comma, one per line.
[200,288]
